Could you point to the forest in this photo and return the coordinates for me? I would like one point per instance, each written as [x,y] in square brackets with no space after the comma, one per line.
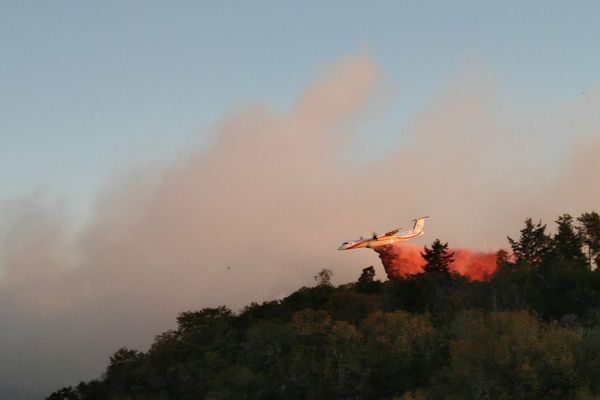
[529,331]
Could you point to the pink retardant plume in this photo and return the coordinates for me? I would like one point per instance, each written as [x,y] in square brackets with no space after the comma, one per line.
[404,260]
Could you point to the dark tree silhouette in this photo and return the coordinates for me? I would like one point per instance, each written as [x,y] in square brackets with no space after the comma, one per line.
[502,258]
[438,258]
[323,278]
[197,319]
[66,393]
[533,246]
[367,276]
[366,282]
[589,230]
[567,243]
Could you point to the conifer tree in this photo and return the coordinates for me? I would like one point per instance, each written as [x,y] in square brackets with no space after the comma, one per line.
[589,230]
[502,259]
[567,243]
[438,258]
[534,245]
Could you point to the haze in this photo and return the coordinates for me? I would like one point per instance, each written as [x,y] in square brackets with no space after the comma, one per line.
[254,204]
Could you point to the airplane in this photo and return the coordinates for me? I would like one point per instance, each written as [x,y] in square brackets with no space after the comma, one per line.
[388,238]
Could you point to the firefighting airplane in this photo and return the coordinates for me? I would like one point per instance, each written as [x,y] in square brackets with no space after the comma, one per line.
[388,238]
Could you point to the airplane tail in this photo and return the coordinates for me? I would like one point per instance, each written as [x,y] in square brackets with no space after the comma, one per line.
[419,225]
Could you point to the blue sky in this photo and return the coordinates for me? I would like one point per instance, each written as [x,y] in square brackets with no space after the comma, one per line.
[90,88]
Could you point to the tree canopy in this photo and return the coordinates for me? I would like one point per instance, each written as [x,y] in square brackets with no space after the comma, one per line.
[437,258]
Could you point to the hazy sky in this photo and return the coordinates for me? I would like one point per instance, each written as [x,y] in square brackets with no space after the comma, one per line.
[160,157]
[88,88]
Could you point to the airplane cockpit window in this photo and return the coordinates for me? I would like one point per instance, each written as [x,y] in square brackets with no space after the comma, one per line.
[345,243]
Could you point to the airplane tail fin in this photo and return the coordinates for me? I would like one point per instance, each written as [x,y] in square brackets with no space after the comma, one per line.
[419,225]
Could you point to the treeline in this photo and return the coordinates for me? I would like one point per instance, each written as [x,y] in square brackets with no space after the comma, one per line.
[532,331]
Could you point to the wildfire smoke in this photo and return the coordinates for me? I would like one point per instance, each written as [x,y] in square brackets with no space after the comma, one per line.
[404,260]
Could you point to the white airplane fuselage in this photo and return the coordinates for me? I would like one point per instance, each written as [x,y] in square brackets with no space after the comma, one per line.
[372,243]
[387,239]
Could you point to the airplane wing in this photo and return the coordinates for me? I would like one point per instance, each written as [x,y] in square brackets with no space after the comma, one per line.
[390,233]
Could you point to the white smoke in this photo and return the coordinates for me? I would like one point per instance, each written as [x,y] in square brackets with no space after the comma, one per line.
[262,211]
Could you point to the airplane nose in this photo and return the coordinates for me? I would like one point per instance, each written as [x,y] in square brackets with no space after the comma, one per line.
[342,247]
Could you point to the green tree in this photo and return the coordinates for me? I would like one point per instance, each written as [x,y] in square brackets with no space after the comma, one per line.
[343,348]
[438,258]
[367,275]
[589,230]
[510,355]
[125,373]
[403,351]
[567,242]
[589,358]
[92,390]
[189,320]
[533,246]
[502,258]
[270,351]
[366,282]
[66,393]
[323,278]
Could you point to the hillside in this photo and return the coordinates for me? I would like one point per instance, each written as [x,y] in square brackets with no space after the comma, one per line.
[531,330]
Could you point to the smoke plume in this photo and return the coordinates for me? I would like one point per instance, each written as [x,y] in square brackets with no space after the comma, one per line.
[255,215]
